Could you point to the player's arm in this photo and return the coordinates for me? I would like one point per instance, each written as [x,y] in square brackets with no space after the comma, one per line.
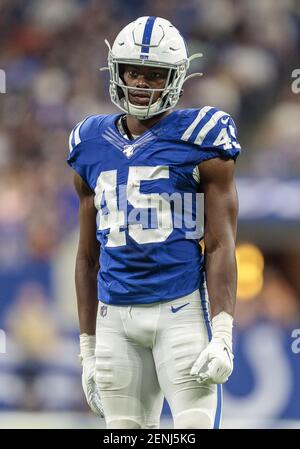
[215,363]
[87,259]
[220,225]
[86,270]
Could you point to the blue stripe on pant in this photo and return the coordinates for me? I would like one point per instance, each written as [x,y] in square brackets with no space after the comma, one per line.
[204,304]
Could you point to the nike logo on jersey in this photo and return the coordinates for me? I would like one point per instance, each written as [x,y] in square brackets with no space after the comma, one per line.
[224,120]
[175,309]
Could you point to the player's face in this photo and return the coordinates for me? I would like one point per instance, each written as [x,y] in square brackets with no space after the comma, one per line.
[144,78]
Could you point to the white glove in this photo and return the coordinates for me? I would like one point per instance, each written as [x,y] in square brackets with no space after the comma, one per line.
[88,362]
[215,363]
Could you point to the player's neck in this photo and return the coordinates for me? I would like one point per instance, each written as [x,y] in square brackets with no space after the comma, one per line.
[138,127]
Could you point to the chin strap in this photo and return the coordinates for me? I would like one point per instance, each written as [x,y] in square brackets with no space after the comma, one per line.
[140,112]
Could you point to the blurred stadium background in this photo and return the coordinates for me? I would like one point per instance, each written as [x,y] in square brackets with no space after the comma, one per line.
[50,51]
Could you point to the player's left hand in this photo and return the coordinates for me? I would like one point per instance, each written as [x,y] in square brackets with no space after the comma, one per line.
[215,363]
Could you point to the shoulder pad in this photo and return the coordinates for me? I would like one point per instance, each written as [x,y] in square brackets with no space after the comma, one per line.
[207,127]
[85,130]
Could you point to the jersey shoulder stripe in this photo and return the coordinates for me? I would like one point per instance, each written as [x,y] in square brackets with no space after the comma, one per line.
[85,130]
[209,128]
[204,121]
[74,138]
[189,131]
[212,122]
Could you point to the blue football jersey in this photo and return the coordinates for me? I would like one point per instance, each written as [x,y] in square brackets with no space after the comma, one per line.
[147,194]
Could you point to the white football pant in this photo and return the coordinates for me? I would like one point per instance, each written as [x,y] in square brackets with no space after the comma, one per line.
[146,352]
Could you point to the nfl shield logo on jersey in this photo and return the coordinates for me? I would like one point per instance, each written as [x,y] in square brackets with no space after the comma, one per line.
[128,150]
[103,311]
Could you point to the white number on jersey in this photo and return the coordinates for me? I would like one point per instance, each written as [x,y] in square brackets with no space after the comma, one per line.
[114,219]
[107,185]
[228,140]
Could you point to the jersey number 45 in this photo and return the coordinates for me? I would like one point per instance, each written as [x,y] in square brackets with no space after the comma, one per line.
[114,219]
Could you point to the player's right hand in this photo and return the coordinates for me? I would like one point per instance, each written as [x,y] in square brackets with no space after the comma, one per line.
[88,362]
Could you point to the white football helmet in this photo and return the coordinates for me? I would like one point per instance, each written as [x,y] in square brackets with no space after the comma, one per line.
[155,42]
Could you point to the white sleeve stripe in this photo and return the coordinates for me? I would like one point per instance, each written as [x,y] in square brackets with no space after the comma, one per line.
[70,140]
[76,133]
[188,132]
[208,126]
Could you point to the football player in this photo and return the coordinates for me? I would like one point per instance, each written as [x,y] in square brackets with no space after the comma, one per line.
[147,327]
